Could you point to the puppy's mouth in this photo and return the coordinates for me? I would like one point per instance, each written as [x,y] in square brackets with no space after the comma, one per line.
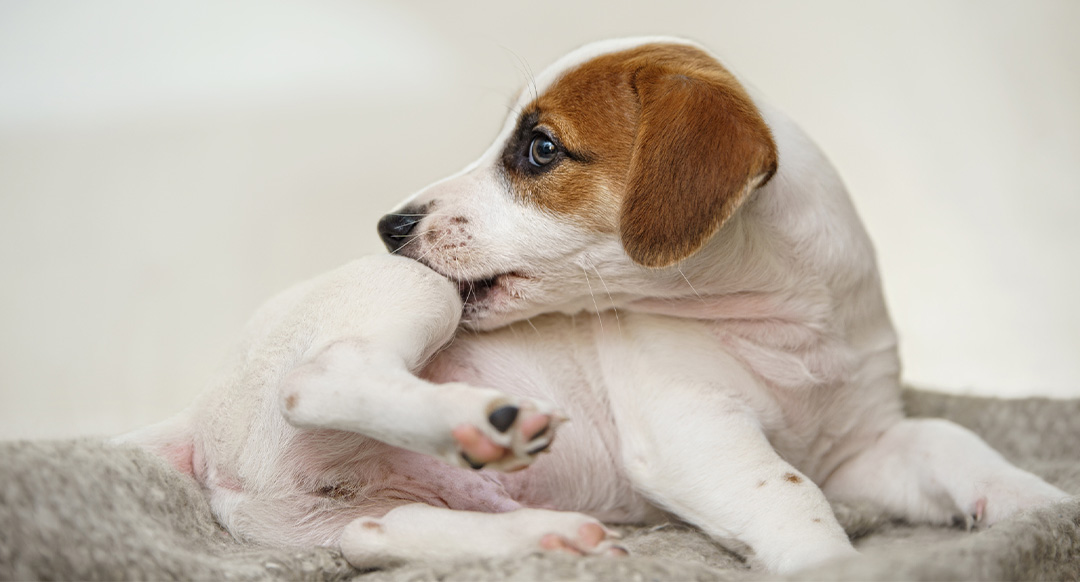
[478,294]
[476,291]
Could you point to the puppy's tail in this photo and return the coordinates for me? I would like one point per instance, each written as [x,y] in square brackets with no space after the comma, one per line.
[172,440]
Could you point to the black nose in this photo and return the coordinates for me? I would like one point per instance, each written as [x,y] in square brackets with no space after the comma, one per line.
[394,229]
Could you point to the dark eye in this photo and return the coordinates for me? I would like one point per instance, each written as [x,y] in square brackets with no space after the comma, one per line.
[542,151]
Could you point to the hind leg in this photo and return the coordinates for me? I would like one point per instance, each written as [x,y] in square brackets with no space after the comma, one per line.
[358,374]
[419,532]
[932,470]
[350,385]
[386,532]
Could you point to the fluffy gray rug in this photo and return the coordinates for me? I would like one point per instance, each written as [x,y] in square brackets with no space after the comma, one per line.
[88,511]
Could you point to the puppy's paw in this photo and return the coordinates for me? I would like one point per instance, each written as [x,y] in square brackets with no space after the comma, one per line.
[511,437]
[1001,496]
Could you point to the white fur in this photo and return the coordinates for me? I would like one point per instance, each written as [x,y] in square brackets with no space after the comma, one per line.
[730,389]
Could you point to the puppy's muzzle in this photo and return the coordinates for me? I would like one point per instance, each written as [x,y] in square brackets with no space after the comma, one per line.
[394,229]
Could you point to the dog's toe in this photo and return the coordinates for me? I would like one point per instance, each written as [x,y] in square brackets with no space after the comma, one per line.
[590,539]
[510,439]
[535,426]
[591,534]
[477,449]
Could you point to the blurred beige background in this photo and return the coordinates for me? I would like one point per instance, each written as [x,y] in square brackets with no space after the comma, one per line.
[166,166]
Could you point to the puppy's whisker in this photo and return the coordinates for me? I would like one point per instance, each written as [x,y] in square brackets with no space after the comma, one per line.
[610,299]
[457,275]
[514,110]
[433,246]
[529,321]
[470,294]
[414,238]
[595,304]
[530,78]
[700,298]
[402,247]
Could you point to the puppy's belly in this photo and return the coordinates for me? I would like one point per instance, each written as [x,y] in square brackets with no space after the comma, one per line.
[553,360]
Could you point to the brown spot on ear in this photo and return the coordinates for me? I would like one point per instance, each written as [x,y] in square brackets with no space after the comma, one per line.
[290,401]
[761,484]
[701,147]
[816,520]
[792,478]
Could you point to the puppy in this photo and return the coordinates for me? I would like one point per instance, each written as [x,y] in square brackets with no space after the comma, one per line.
[647,249]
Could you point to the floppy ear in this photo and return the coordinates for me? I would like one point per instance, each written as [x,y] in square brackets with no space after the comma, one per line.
[701,147]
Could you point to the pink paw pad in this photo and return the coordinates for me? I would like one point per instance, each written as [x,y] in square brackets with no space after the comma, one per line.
[591,539]
[529,432]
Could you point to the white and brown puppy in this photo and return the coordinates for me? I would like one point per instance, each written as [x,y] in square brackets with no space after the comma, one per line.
[646,249]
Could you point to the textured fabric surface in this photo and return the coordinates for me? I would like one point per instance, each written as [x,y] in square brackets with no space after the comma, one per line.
[89,511]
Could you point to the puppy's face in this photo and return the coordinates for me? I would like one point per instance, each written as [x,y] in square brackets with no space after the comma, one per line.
[623,159]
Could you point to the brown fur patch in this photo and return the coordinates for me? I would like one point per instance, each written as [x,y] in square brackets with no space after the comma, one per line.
[290,402]
[592,112]
[665,144]
[792,478]
[340,491]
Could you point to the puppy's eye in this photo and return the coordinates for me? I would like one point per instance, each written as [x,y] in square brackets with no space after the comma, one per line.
[542,151]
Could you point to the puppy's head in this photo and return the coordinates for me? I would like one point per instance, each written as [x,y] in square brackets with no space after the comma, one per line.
[625,158]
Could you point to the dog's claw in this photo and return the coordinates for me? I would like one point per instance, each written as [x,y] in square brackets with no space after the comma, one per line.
[471,462]
[539,449]
[975,518]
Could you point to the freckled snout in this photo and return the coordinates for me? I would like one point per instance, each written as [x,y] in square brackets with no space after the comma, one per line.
[394,228]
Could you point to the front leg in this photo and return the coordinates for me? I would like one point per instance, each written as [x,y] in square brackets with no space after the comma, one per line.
[692,445]
[375,321]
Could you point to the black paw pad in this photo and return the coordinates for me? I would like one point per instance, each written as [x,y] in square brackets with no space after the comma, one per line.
[503,418]
[471,462]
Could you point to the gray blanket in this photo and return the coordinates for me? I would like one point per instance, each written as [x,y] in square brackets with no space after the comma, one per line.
[89,511]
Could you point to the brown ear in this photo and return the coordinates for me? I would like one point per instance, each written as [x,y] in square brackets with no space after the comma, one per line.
[701,147]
